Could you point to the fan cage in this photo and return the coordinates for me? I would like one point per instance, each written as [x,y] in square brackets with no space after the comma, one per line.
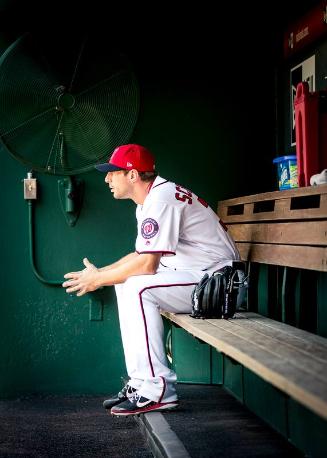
[63,112]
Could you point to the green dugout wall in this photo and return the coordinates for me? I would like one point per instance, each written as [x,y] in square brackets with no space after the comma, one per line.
[208,115]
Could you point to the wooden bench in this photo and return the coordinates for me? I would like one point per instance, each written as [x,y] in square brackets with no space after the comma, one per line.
[288,229]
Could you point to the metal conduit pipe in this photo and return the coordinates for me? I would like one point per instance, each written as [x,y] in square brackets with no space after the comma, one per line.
[31,250]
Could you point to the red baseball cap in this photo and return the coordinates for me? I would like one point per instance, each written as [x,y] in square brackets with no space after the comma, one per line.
[128,157]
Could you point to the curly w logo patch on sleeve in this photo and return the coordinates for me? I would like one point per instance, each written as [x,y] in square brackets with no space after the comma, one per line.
[149,228]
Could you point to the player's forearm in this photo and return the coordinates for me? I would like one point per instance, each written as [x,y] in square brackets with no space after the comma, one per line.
[136,265]
[120,262]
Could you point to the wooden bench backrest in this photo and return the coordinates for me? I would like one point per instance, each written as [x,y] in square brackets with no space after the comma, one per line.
[287,228]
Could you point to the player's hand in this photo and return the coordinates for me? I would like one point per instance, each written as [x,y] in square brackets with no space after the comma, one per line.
[83,281]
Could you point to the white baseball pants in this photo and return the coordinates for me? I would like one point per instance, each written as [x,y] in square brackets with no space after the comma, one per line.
[140,300]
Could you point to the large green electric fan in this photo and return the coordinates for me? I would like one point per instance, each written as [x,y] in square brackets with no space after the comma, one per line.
[65,104]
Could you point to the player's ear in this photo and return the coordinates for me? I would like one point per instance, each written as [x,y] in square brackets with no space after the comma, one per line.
[134,175]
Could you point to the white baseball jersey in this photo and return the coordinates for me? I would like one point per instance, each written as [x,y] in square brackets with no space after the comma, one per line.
[181,225]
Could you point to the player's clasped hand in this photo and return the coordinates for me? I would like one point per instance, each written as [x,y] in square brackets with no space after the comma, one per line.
[83,281]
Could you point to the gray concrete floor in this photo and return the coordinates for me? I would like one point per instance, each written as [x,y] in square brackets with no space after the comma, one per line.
[209,422]
[67,427]
[212,423]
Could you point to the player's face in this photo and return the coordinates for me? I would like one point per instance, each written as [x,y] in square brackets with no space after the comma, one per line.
[119,184]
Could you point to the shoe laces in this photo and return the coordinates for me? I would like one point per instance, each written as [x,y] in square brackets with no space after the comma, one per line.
[135,397]
[126,388]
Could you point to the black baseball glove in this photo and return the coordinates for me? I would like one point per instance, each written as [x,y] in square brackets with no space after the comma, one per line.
[215,296]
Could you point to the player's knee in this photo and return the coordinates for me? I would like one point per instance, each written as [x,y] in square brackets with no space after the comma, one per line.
[137,283]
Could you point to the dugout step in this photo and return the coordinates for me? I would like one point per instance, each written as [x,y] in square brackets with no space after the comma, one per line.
[210,423]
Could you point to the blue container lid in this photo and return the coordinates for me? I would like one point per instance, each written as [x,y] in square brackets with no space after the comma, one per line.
[284,158]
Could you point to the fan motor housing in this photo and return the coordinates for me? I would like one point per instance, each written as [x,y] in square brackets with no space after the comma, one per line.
[65,101]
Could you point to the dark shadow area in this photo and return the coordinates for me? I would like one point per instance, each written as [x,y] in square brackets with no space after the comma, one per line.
[67,427]
[210,423]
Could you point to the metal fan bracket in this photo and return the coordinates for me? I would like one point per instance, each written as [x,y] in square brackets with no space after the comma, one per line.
[71,192]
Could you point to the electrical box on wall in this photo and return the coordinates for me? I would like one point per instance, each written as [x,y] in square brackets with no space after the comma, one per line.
[30,188]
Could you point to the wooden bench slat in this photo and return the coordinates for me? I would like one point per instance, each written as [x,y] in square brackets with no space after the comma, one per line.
[303,257]
[300,334]
[295,233]
[270,195]
[313,213]
[298,204]
[305,348]
[285,351]
[289,378]
[303,341]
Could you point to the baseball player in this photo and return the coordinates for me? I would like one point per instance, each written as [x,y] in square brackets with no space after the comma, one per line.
[179,238]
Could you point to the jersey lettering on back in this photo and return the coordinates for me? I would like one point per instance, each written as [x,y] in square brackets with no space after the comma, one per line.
[184,195]
[175,221]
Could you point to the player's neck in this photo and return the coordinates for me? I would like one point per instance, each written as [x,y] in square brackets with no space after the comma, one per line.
[141,190]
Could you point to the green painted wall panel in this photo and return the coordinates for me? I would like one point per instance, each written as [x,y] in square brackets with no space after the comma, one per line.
[217,367]
[265,401]
[191,358]
[263,295]
[307,431]
[47,341]
[322,304]
[233,377]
